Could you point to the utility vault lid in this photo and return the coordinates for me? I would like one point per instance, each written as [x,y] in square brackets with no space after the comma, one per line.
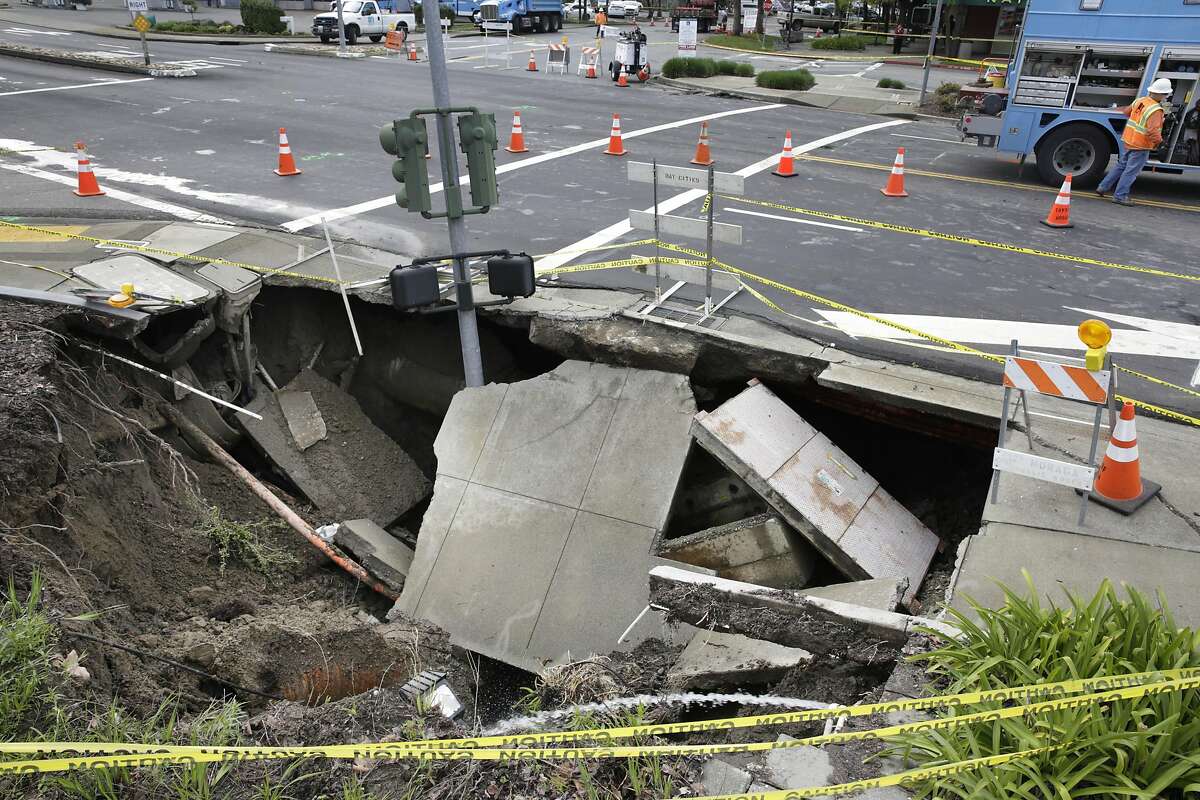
[817,488]
[144,274]
[549,494]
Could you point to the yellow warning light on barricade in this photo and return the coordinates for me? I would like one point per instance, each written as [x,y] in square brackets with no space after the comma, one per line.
[1096,335]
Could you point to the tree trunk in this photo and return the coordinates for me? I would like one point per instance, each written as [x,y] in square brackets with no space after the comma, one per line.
[758,23]
[737,17]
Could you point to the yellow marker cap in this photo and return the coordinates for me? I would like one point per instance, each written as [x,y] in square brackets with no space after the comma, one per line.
[1094,333]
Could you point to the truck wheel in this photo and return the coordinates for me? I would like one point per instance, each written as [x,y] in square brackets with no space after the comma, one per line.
[557,20]
[375,38]
[325,39]
[1080,151]
[542,25]
[351,34]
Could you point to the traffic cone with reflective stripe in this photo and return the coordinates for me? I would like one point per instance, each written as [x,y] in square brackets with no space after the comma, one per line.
[591,73]
[412,52]
[287,164]
[895,184]
[88,186]
[703,155]
[1060,212]
[516,142]
[1119,484]
[615,146]
[623,78]
[786,168]
[532,65]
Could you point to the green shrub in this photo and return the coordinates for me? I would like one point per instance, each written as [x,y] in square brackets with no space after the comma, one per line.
[798,80]
[847,42]
[945,97]
[745,71]
[689,68]
[890,83]
[195,26]
[725,67]
[1135,748]
[261,16]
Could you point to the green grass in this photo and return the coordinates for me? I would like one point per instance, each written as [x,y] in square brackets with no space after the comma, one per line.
[747,41]
[799,80]
[27,642]
[844,42]
[890,83]
[1143,748]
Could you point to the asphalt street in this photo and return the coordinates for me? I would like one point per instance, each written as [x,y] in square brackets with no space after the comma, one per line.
[209,143]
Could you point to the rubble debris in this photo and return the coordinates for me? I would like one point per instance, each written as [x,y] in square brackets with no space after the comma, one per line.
[884,594]
[713,659]
[817,488]
[762,549]
[797,767]
[303,418]
[380,553]
[549,495]
[719,777]
[430,689]
[356,472]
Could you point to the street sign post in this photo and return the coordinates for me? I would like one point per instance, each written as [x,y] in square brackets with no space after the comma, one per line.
[141,25]
[687,177]
[687,38]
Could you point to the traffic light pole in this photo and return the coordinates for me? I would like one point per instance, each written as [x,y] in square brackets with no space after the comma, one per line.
[468,326]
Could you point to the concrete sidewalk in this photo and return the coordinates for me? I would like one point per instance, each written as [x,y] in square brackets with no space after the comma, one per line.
[834,92]
[110,23]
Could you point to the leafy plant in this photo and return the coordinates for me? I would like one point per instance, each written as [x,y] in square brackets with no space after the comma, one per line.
[945,97]
[217,726]
[843,42]
[280,788]
[799,80]
[243,541]
[1141,748]
[262,16]
[26,642]
[890,83]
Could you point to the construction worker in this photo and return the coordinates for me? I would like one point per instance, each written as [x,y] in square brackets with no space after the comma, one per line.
[601,21]
[1142,136]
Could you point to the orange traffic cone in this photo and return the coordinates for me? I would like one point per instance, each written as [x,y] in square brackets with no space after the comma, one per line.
[1119,484]
[703,156]
[591,71]
[532,66]
[786,168]
[615,146]
[895,184]
[88,186]
[623,77]
[516,143]
[1060,212]
[412,52]
[644,73]
[287,164]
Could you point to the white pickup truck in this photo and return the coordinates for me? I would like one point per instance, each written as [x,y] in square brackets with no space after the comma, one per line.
[370,18]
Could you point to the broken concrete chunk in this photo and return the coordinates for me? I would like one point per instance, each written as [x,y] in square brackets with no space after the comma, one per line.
[549,495]
[713,659]
[303,418]
[355,472]
[380,553]
[817,488]
[798,767]
[761,549]
[722,778]
[881,593]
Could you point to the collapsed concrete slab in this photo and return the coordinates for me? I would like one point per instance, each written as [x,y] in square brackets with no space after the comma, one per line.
[549,495]
[817,488]
[379,552]
[884,594]
[762,549]
[355,472]
[713,659]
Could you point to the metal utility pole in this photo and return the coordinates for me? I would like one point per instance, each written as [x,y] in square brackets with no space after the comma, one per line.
[468,327]
[708,249]
[341,31]
[933,32]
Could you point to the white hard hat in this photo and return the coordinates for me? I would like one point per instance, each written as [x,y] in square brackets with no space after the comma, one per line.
[1160,86]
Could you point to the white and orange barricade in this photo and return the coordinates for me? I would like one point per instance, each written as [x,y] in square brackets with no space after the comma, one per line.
[1090,381]
[589,59]
[558,57]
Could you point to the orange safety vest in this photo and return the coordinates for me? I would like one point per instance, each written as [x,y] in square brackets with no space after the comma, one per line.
[1137,131]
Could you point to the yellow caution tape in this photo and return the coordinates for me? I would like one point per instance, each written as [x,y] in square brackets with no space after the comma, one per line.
[1158,381]
[968,240]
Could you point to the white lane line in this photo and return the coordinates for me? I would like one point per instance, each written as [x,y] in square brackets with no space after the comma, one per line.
[606,235]
[797,220]
[929,138]
[74,86]
[382,202]
[126,197]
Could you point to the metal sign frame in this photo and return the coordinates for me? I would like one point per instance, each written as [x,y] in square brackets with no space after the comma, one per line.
[1034,466]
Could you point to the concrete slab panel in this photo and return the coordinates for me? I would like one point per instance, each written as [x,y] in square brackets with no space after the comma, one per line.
[713,660]
[798,767]
[520,576]
[144,274]
[881,593]
[382,554]
[816,488]
[1059,561]
[762,550]
[186,238]
[303,418]
[43,280]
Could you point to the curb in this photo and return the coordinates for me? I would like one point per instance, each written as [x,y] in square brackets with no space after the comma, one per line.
[301,50]
[61,57]
[893,60]
[118,32]
[770,98]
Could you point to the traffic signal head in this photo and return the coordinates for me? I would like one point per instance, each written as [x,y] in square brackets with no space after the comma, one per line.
[511,275]
[408,141]
[477,136]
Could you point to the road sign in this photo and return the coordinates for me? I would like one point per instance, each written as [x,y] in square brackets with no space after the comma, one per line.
[1063,473]
[141,23]
[687,178]
[686,226]
[138,5]
[687,38]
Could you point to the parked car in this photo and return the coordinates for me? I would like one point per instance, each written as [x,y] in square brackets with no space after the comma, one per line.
[625,8]
[571,10]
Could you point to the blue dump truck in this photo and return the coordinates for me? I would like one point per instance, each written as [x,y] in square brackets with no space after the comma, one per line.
[1079,62]
[542,16]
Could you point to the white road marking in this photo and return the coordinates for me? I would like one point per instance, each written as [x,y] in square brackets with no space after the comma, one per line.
[1001,332]
[382,202]
[74,86]
[117,194]
[1179,330]
[929,138]
[606,235]
[32,32]
[794,219]
[862,73]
